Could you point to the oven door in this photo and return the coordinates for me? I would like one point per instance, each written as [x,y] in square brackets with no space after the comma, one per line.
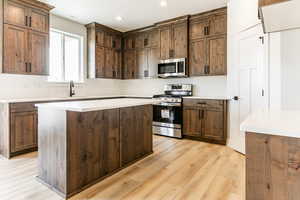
[167,69]
[167,114]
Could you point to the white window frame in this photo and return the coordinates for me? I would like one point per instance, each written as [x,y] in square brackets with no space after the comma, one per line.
[81,72]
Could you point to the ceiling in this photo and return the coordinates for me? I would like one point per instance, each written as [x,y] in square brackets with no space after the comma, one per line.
[135,13]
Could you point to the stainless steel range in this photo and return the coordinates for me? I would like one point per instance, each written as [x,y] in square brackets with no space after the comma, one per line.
[167,115]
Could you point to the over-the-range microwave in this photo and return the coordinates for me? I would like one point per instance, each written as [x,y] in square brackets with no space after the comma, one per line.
[172,68]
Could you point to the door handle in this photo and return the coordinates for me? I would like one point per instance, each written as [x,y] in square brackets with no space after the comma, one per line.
[236,98]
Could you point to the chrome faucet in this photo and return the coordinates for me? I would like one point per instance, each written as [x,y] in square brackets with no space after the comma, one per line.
[72,88]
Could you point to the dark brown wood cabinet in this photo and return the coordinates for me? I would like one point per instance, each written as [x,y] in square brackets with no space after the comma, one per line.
[208,43]
[272,167]
[205,120]
[96,147]
[142,60]
[173,39]
[130,64]
[79,149]
[26,33]
[104,49]
[23,131]
[135,128]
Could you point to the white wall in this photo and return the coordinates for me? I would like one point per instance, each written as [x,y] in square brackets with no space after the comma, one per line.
[203,86]
[19,86]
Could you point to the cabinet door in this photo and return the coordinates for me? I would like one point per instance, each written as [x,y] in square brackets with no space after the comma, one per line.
[96,149]
[23,131]
[165,42]
[109,63]
[135,133]
[217,52]
[129,42]
[192,121]
[39,52]
[214,125]
[15,13]
[153,38]
[180,40]
[139,41]
[100,62]
[130,64]
[15,49]
[99,38]
[153,60]
[142,63]
[38,20]
[108,38]
[218,24]
[117,64]
[198,28]
[197,57]
[117,44]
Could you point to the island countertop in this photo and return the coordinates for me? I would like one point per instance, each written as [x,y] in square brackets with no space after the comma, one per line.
[274,122]
[95,105]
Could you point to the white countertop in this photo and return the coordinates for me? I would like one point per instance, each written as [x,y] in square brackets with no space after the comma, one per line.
[209,97]
[275,122]
[66,98]
[95,105]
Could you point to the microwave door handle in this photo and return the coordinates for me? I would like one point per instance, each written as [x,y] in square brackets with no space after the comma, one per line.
[176,65]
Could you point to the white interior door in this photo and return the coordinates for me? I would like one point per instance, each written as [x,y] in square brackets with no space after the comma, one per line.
[251,82]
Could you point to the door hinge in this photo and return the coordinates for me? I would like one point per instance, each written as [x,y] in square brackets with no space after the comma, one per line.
[262,38]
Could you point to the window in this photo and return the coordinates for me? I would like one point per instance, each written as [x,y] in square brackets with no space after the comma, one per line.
[65,57]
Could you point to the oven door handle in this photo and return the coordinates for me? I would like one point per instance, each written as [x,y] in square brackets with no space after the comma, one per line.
[168,104]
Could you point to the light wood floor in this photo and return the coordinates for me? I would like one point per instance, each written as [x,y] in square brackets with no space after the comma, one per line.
[178,170]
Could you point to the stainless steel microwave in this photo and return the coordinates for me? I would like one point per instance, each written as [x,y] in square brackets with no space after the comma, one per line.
[172,68]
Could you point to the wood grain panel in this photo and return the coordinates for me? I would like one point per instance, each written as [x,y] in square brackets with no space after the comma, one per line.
[180,32]
[269,2]
[15,13]
[16,48]
[165,42]
[192,121]
[272,167]
[39,20]
[217,51]
[197,57]
[39,53]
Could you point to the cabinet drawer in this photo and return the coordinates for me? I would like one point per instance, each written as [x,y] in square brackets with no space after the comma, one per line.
[22,107]
[201,103]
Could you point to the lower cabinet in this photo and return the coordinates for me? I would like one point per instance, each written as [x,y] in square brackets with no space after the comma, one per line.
[205,120]
[100,143]
[23,131]
[95,149]
[135,128]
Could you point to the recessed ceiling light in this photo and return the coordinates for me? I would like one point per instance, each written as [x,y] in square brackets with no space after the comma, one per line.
[119,18]
[163,3]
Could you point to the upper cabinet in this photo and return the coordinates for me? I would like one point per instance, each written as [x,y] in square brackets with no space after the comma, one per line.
[141,53]
[269,2]
[208,43]
[279,15]
[26,37]
[104,52]
[173,37]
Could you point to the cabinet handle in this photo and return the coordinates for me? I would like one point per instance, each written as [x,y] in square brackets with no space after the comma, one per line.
[26,20]
[208,69]
[201,114]
[114,73]
[132,74]
[30,20]
[146,42]
[29,65]
[26,66]
[207,30]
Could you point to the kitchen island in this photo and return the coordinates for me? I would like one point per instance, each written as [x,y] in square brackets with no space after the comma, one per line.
[82,142]
[272,155]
